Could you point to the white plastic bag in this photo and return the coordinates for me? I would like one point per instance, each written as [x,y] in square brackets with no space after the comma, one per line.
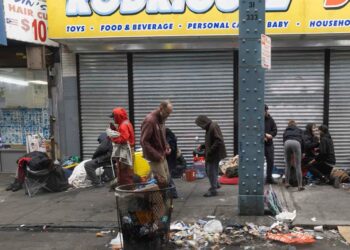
[213,226]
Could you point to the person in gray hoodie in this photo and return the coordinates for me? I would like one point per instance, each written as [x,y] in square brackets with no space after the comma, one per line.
[215,151]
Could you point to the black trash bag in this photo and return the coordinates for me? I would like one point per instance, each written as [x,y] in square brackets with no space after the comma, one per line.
[57,181]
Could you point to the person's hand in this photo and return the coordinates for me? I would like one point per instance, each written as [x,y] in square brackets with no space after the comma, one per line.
[112,126]
[268,136]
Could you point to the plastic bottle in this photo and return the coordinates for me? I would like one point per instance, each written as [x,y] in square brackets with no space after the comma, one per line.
[345,186]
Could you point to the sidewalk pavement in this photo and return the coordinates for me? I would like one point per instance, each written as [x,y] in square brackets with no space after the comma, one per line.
[95,208]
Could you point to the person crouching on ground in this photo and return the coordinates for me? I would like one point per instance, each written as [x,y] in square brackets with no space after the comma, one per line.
[101,157]
[126,136]
[293,141]
[322,166]
[215,151]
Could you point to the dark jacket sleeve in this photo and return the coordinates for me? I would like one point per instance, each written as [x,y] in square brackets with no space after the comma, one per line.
[217,140]
[273,130]
[309,143]
[102,149]
[284,136]
[323,154]
[146,136]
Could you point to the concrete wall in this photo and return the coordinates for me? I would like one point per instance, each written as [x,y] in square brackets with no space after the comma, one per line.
[66,105]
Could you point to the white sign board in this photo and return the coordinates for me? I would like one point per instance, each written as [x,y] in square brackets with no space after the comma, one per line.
[265,51]
[26,20]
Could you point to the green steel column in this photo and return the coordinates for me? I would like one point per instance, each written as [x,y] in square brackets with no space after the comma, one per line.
[251,108]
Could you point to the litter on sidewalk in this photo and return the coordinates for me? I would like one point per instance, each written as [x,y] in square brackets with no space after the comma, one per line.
[212,233]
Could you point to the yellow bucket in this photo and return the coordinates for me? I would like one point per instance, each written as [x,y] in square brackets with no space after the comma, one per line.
[141,166]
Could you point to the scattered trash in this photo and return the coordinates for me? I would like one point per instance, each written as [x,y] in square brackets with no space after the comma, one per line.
[213,226]
[23,225]
[178,225]
[292,238]
[286,216]
[3,200]
[44,227]
[318,229]
[117,242]
[313,219]
[272,202]
[318,237]
[211,217]
[345,232]
[99,234]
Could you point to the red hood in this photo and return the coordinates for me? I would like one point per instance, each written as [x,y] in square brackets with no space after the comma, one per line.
[119,115]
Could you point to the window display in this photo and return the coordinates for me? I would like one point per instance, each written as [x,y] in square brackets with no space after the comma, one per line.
[23,104]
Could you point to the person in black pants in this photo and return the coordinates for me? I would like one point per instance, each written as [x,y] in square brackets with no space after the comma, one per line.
[322,166]
[101,157]
[270,133]
[171,158]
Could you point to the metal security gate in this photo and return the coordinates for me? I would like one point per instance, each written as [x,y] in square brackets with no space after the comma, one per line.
[294,90]
[103,86]
[339,106]
[197,83]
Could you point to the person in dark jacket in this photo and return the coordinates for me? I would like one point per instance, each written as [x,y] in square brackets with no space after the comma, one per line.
[270,133]
[293,141]
[171,157]
[215,151]
[154,144]
[311,143]
[101,157]
[322,166]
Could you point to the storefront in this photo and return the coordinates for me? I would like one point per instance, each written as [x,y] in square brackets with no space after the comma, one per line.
[187,52]
[24,102]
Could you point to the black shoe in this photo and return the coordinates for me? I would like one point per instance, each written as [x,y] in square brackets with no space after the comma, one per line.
[210,194]
[9,187]
[218,186]
[16,186]
[271,181]
[175,196]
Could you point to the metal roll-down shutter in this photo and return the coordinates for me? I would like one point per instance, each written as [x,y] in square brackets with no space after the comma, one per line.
[103,86]
[294,90]
[339,106]
[197,83]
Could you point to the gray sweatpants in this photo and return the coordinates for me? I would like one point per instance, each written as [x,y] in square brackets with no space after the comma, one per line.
[212,169]
[293,148]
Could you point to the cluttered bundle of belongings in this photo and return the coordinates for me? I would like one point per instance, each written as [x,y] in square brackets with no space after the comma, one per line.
[144,212]
[36,171]
[229,169]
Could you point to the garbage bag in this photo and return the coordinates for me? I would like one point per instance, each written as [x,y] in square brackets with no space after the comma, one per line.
[213,226]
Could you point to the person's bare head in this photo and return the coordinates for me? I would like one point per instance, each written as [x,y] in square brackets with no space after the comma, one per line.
[165,108]
[292,123]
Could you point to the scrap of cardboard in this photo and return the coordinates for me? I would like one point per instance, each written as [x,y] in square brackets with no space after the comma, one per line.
[345,232]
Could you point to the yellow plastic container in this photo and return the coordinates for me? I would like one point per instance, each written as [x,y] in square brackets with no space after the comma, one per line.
[141,166]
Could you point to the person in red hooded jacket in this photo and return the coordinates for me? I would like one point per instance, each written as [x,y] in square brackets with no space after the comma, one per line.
[125,173]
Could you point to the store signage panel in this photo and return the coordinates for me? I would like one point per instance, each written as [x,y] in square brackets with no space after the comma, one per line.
[3,40]
[130,18]
[26,20]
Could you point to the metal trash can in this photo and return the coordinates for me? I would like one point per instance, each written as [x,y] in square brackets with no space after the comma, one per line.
[144,215]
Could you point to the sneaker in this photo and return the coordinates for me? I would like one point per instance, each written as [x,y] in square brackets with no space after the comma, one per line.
[210,194]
